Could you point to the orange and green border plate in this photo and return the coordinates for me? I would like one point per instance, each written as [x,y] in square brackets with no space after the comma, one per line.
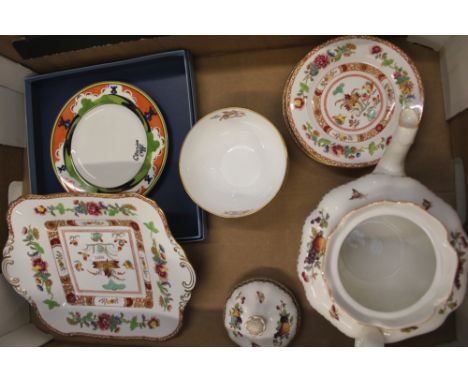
[109,92]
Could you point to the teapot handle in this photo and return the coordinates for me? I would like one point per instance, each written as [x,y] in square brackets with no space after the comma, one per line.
[393,159]
[369,336]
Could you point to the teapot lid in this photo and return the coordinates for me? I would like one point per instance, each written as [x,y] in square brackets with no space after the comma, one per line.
[261,312]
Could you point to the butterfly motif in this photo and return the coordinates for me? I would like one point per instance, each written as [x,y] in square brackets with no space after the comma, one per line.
[357,195]
[426,204]
[62,168]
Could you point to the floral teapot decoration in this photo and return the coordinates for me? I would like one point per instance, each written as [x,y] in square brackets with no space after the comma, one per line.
[382,257]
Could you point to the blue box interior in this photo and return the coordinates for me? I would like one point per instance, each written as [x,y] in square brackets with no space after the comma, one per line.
[167,79]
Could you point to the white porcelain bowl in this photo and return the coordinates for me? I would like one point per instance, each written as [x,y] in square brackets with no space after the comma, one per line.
[233,162]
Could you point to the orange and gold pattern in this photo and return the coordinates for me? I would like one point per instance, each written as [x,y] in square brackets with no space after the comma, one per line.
[75,297]
[69,113]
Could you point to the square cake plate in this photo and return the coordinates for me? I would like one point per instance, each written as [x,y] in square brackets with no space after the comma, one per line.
[96,265]
[167,78]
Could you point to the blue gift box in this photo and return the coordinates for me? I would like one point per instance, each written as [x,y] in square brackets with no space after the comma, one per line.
[168,79]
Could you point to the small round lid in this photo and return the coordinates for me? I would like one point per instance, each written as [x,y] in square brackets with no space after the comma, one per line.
[261,312]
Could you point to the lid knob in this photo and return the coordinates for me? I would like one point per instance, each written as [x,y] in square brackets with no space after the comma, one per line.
[255,325]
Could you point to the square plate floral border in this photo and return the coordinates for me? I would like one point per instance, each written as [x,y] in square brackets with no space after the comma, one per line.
[98,265]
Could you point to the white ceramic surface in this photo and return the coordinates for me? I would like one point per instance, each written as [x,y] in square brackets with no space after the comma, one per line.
[98,265]
[108,145]
[233,162]
[346,288]
[110,137]
[261,313]
[390,264]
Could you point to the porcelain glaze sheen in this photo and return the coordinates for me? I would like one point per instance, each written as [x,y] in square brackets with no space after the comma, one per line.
[233,162]
[121,133]
[110,137]
[261,313]
[98,265]
[343,99]
[331,228]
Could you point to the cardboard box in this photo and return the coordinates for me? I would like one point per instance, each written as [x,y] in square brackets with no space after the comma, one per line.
[167,79]
[251,72]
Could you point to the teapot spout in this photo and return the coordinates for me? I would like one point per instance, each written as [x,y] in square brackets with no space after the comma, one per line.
[393,160]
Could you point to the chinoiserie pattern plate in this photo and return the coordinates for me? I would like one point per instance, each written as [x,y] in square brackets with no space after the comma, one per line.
[343,99]
[98,265]
[261,312]
[109,137]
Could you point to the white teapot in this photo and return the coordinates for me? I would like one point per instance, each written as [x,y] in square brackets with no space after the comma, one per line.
[382,257]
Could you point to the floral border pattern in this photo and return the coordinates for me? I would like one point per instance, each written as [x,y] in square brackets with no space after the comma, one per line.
[87,209]
[316,248]
[344,150]
[159,257]
[400,75]
[339,150]
[39,266]
[292,88]
[460,244]
[10,255]
[320,62]
[111,322]
[320,91]
[99,209]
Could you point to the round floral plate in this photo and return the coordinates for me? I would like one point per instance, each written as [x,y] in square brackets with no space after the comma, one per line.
[343,99]
[261,312]
[109,137]
[97,265]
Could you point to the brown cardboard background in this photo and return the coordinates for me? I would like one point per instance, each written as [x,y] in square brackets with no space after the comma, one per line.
[11,168]
[459,141]
[251,72]
[197,45]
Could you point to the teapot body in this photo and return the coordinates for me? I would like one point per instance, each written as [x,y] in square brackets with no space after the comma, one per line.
[322,222]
